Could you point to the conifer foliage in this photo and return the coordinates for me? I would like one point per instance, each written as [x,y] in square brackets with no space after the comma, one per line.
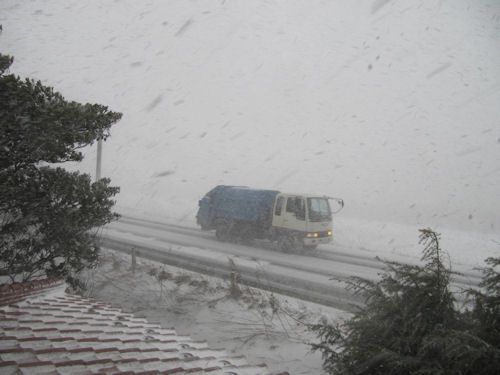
[485,315]
[410,323]
[48,215]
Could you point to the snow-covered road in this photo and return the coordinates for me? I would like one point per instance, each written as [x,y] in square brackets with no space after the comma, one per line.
[315,276]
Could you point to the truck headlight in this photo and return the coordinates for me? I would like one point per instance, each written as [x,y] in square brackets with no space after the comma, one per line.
[329,233]
[312,235]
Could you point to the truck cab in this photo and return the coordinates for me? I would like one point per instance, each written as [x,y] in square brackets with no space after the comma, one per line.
[306,219]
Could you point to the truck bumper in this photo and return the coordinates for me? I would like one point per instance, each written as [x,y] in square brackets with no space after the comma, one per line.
[316,240]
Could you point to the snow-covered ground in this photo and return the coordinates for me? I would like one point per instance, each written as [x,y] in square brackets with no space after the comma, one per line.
[264,327]
[369,239]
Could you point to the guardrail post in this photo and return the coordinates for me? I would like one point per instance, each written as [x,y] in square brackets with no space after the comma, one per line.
[235,288]
[134,260]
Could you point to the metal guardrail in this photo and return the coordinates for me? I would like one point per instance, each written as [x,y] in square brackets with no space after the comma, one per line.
[333,295]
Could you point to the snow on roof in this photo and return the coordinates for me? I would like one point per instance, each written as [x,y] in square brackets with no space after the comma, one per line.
[43,329]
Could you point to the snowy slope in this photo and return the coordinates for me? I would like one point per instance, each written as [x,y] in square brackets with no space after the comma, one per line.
[391,105]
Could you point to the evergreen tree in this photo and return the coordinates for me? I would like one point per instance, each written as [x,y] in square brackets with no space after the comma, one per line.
[486,311]
[409,325]
[48,216]
[485,315]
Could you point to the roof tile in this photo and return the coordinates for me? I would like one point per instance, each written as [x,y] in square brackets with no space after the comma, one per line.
[46,330]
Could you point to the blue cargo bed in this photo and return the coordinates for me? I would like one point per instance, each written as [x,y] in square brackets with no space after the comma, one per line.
[235,203]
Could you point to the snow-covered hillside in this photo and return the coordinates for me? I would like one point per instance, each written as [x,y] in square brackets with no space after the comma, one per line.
[392,106]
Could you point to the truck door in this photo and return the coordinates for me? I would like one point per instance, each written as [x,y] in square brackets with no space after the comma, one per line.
[294,214]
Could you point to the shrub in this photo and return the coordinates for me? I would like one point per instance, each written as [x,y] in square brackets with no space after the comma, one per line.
[410,324]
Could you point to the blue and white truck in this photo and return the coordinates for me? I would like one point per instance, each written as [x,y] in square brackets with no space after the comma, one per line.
[292,220]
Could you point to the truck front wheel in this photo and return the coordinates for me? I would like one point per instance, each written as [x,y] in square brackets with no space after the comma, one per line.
[285,243]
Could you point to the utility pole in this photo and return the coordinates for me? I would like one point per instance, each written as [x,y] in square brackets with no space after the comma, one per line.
[99,158]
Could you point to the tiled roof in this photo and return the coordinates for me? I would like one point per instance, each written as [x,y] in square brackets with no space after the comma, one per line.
[44,330]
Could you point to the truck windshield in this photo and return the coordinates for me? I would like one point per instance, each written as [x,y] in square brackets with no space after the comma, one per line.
[319,209]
